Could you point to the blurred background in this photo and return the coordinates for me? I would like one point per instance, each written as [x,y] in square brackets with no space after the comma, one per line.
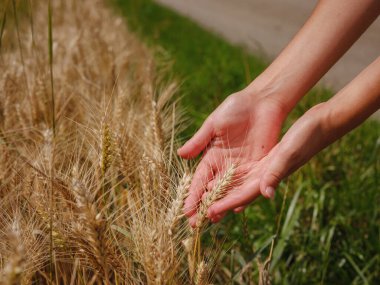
[265,27]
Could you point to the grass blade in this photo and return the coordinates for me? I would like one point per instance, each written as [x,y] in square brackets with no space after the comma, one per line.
[291,219]
[356,268]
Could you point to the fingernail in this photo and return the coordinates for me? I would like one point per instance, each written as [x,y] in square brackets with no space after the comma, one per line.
[269,191]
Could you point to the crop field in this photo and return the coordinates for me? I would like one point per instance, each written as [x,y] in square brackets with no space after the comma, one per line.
[95,99]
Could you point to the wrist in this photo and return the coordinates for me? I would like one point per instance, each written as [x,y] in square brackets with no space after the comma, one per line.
[306,137]
[337,118]
[262,93]
[320,119]
[275,88]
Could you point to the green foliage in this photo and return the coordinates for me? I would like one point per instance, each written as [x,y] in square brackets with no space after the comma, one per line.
[330,233]
[209,68]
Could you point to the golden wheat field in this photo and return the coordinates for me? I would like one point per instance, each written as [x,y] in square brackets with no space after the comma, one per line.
[91,191]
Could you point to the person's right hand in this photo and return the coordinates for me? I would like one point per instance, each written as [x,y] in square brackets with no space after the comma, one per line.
[241,131]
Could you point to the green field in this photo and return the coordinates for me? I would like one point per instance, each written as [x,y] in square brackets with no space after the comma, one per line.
[330,231]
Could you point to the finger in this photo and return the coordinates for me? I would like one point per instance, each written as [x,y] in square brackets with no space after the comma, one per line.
[218,218]
[198,142]
[203,174]
[194,217]
[236,198]
[239,209]
[278,168]
[219,171]
[211,184]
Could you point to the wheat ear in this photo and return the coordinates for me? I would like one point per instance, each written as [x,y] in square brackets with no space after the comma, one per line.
[219,191]
[202,274]
[188,245]
[174,213]
[13,271]
[106,149]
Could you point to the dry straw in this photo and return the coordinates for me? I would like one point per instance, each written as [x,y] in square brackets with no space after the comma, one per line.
[97,138]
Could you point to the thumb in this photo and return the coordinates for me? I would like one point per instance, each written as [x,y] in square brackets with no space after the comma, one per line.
[278,168]
[198,142]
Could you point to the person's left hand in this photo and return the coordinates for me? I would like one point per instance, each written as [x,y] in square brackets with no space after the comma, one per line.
[241,131]
[308,135]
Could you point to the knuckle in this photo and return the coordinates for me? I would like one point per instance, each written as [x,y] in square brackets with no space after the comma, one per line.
[231,101]
[316,109]
[275,177]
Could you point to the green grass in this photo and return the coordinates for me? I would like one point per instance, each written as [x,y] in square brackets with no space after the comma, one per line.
[330,233]
[199,60]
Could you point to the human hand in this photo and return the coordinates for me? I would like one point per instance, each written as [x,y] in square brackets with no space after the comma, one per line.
[317,128]
[241,131]
[245,130]
[287,156]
